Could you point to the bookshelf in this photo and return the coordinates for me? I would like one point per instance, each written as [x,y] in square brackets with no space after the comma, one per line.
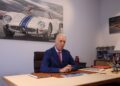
[104,55]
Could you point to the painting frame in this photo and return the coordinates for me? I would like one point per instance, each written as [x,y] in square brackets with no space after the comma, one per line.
[114,24]
[31,20]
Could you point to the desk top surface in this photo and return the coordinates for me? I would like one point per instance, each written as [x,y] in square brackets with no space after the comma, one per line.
[27,80]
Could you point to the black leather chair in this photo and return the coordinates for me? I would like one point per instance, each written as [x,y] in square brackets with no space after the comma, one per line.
[38,56]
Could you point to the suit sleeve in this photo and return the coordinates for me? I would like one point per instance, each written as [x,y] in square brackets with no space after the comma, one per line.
[72,62]
[45,65]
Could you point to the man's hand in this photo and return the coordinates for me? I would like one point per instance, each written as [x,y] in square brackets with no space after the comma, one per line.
[67,68]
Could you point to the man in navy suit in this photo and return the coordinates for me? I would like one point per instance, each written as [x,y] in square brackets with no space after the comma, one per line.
[57,59]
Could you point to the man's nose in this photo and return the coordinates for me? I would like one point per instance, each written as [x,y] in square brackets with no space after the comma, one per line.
[62,43]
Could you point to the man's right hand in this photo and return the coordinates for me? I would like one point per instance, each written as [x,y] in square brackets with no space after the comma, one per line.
[67,68]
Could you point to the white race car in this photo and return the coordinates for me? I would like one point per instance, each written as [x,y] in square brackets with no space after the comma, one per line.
[26,24]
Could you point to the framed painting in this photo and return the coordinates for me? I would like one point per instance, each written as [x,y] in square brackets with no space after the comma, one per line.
[114,24]
[34,20]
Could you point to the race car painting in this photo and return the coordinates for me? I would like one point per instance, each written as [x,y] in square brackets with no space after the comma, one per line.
[18,23]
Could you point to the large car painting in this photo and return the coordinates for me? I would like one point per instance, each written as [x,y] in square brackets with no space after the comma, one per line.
[36,21]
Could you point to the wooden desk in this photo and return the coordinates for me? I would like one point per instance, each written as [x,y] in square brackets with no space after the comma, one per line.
[60,75]
[86,80]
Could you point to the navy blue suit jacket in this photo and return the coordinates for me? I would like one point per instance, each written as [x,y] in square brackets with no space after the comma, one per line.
[51,63]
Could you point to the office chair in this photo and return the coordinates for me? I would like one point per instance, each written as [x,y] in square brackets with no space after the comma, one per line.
[37,60]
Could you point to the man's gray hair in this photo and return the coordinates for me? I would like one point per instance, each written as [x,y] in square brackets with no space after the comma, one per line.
[60,34]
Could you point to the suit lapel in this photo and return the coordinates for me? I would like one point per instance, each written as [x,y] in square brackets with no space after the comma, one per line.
[63,58]
[55,56]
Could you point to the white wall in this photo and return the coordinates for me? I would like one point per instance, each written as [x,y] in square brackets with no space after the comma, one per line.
[80,25]
[108,8]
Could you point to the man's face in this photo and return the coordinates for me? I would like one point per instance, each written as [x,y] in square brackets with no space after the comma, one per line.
[60,42]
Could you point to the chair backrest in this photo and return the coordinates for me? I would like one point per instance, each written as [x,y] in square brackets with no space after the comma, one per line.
[38,56]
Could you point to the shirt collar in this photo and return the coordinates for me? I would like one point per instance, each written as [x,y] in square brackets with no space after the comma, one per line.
[57,49]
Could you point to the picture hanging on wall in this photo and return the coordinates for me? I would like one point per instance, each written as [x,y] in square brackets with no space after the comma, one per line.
[114,24]
[34,20]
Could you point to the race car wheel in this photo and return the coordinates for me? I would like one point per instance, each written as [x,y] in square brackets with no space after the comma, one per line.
[49,30]
[47,35]
[8,33]
[60,28]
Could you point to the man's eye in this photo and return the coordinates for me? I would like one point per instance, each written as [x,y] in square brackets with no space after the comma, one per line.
[62,41]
